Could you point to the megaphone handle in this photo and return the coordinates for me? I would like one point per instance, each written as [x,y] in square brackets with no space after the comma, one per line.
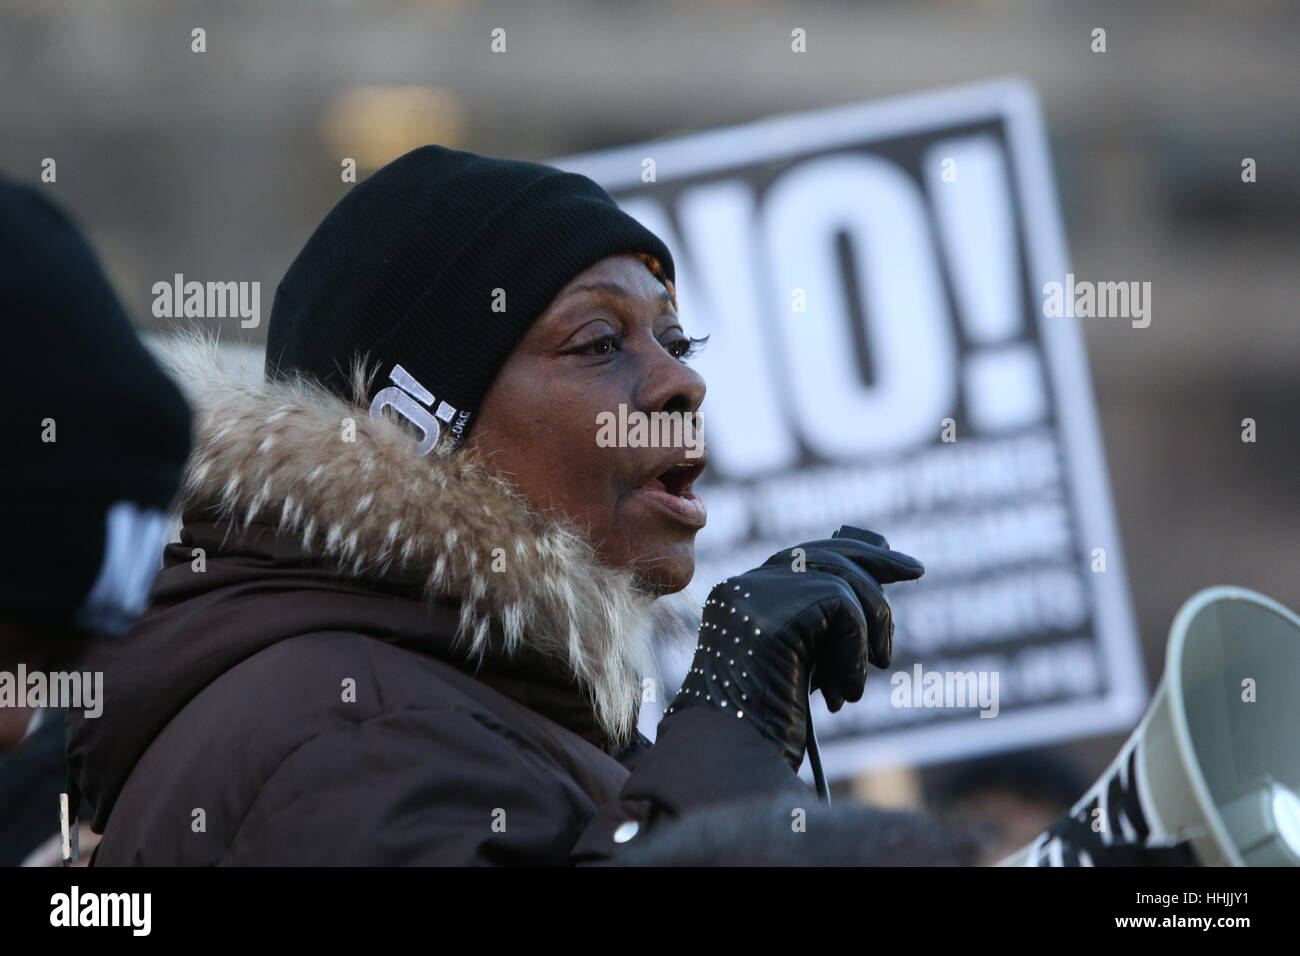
[810,738]
[814,755]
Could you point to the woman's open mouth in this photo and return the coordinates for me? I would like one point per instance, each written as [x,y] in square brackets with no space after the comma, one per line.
[670,490]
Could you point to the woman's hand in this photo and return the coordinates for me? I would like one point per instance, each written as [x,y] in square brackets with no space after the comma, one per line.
[817,609]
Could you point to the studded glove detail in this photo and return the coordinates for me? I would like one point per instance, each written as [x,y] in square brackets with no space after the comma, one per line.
[814,610]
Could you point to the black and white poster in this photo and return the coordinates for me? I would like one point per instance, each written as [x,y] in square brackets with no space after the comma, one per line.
[875,281]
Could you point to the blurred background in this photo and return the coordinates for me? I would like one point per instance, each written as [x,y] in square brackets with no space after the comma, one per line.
[220,164]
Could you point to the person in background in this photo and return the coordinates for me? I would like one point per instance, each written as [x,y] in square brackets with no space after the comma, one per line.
[95,436]
[1009,799]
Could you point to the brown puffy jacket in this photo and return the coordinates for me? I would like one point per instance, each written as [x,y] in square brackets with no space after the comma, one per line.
[358,655]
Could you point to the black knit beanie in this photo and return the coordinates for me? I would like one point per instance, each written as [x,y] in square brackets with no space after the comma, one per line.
[94,433]
[434,267]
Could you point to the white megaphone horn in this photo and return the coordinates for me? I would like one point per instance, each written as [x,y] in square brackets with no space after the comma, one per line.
[1210,776]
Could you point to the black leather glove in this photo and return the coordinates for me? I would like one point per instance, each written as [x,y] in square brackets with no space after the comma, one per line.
[820,612]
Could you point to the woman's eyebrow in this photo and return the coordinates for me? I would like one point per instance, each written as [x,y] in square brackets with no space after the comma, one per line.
[613,287]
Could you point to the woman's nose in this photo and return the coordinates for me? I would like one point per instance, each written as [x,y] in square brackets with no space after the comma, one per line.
[672,386]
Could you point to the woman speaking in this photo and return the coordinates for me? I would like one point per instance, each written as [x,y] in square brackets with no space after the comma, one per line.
[405,621]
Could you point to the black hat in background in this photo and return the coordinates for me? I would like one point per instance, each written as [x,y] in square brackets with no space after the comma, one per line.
[413,264]
[95,434]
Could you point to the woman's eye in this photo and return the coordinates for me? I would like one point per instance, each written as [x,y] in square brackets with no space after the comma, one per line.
[684,348]
[612,342]
[601,346]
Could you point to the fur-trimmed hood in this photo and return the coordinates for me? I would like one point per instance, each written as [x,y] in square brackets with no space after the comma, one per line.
[355,491]
[305,680]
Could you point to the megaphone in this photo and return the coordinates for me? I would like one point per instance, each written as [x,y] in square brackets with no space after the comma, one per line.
[1210,776]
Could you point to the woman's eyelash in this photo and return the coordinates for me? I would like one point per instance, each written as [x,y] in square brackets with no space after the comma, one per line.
[692,346]
[680,349]
[610,338]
